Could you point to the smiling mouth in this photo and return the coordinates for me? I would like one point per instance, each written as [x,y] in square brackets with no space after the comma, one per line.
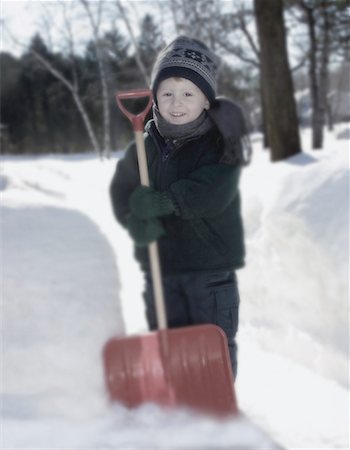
[175,114]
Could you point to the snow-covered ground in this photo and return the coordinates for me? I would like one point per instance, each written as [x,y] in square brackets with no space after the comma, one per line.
[70,282]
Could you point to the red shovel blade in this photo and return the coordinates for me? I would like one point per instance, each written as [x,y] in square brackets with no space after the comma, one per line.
[187,367]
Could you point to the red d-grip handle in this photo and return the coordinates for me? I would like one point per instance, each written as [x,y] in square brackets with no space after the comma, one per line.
[137,120]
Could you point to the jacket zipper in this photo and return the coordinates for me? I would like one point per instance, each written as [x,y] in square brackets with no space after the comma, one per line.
[166,153]
[165,156]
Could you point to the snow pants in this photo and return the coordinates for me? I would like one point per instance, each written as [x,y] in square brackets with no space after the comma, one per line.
[199,298]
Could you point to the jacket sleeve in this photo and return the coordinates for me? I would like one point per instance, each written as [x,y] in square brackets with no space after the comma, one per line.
[126,178]
[206,192]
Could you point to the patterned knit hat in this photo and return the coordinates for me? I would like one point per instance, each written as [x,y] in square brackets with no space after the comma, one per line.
[190,59]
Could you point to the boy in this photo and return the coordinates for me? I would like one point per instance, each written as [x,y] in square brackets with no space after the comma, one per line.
[192,208]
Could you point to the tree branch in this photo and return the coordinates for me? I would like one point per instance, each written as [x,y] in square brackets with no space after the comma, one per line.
[139,61]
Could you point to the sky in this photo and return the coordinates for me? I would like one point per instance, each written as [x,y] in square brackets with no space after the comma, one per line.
[15,14]
[21,17]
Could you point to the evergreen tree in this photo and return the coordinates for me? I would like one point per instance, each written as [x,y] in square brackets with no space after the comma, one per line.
[11,107]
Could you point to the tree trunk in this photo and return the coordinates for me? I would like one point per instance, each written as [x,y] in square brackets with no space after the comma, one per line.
[324,68]
[329,116]
[277,84]
[105,102]
[95,25]
[174,12]
[129,27]
[316,119]
[77,100]
[263,116]
[87,122]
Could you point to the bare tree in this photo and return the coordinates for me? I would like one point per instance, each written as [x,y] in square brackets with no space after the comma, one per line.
[72,83]
[327,25]
[235,36]
[277,84]
[174,12]
[197,19]
[317,101]
[125,17]
[95,21]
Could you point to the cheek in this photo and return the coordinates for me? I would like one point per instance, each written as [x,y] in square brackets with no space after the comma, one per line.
[161,107]
[163,102]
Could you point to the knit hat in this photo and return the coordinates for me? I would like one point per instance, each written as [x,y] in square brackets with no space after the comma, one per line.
[187,58]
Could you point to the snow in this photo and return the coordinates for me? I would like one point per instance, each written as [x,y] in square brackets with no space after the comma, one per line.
[70,282]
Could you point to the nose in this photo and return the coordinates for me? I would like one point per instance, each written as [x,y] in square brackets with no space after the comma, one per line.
[177,100]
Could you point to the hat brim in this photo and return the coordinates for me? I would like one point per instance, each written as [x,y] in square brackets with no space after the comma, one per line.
[184,72]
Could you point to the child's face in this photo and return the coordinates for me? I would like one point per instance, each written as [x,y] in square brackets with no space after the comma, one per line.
[180,101]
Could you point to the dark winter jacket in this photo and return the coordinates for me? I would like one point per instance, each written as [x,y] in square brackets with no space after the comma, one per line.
[206,232]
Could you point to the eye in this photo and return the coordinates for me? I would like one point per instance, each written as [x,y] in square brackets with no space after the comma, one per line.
[188,94]
[166,94]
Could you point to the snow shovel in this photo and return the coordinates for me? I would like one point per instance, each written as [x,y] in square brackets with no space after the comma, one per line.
[187,367]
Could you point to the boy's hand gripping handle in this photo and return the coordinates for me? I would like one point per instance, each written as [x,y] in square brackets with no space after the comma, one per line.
[137,121]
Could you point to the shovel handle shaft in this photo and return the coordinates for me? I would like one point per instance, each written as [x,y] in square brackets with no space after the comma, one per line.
[137,122]
[142,158]
[157,285]
[153,247]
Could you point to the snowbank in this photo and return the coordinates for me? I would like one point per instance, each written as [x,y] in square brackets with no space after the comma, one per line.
[297,218]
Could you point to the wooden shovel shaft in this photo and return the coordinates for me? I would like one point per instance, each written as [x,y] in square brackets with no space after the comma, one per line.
[137,121]
[153,247]
[142,158]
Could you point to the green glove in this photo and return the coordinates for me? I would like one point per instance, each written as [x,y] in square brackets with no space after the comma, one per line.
[144,232]
[146,203]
